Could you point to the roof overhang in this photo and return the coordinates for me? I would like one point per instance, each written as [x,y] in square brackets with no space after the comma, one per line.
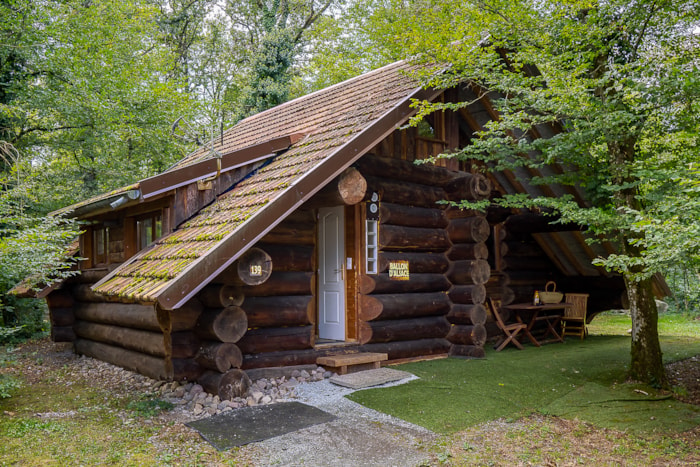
[181,176]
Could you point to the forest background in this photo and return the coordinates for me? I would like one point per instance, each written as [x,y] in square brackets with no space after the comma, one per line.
[95,95]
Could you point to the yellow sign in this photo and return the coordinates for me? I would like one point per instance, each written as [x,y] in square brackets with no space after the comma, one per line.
[398,270]
[256,270]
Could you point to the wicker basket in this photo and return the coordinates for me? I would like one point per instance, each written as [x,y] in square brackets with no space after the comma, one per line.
[550,296]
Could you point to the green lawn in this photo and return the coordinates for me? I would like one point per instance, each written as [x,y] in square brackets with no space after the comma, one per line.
[578,379]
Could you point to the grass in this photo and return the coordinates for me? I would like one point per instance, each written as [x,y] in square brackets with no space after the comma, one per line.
[77,422]
[60,419]
[582,380]
[561,404]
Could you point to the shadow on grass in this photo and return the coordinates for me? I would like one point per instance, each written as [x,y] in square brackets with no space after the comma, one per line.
[578,379]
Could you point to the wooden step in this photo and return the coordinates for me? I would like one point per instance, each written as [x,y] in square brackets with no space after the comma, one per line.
[342,364]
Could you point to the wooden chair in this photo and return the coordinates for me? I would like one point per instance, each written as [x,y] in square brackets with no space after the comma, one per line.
[510,330]
[574,319]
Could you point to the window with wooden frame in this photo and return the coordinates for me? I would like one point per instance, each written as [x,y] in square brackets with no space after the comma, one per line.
[371,247]
[100,245]
[149,228]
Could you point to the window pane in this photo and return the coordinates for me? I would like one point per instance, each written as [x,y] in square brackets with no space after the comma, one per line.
[145,232]
[100,245]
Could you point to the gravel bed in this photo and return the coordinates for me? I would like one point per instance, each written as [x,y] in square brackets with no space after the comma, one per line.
[359,436]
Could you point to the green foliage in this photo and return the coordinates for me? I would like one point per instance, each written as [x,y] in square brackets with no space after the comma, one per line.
[24,426]
[278,33]
[8,384]
[149,406]
[341,46]
[613,86]
[33,249]
[619,77]
[90,109]
[270,72]
[685,284]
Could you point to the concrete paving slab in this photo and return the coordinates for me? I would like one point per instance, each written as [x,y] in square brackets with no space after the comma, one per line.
[369,378]
[250,424]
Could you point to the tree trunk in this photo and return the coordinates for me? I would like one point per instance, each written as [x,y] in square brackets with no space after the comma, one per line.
[467,294]
[399,238]
[261,340]
[405,171]
[62,334]
[467,334]
[408,194]
[282,283]
[151,343]
[405,350]
[467,272]
[473,229]
[403,329]
[463,251]
[647,364]
[468,351]
[148,365]
[290,257]
[467,314]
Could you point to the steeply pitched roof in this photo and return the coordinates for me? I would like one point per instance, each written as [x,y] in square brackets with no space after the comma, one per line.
[340,124]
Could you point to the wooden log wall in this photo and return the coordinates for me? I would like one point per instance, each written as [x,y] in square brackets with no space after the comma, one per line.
[61,316]
[469,271]
[280,312]
[527,267]
[440,306]
[156,343]
[210,336]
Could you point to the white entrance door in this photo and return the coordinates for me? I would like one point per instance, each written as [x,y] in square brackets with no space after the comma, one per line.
[331,274]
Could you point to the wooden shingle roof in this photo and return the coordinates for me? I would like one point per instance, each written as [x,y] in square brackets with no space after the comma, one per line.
[339,124]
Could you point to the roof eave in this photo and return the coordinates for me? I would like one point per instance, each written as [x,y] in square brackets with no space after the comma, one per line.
[181,176]
[119,200]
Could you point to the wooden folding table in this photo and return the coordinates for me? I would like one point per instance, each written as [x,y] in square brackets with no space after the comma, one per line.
[530,314]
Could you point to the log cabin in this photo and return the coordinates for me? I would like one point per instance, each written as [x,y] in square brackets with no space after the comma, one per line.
[308,231]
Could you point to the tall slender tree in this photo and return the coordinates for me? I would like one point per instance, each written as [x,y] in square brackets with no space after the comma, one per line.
[276,30]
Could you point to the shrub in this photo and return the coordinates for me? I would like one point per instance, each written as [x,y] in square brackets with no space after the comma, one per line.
[8,384]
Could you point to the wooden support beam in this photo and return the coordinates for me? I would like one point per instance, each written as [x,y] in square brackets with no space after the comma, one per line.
[403,329]
[411,216]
